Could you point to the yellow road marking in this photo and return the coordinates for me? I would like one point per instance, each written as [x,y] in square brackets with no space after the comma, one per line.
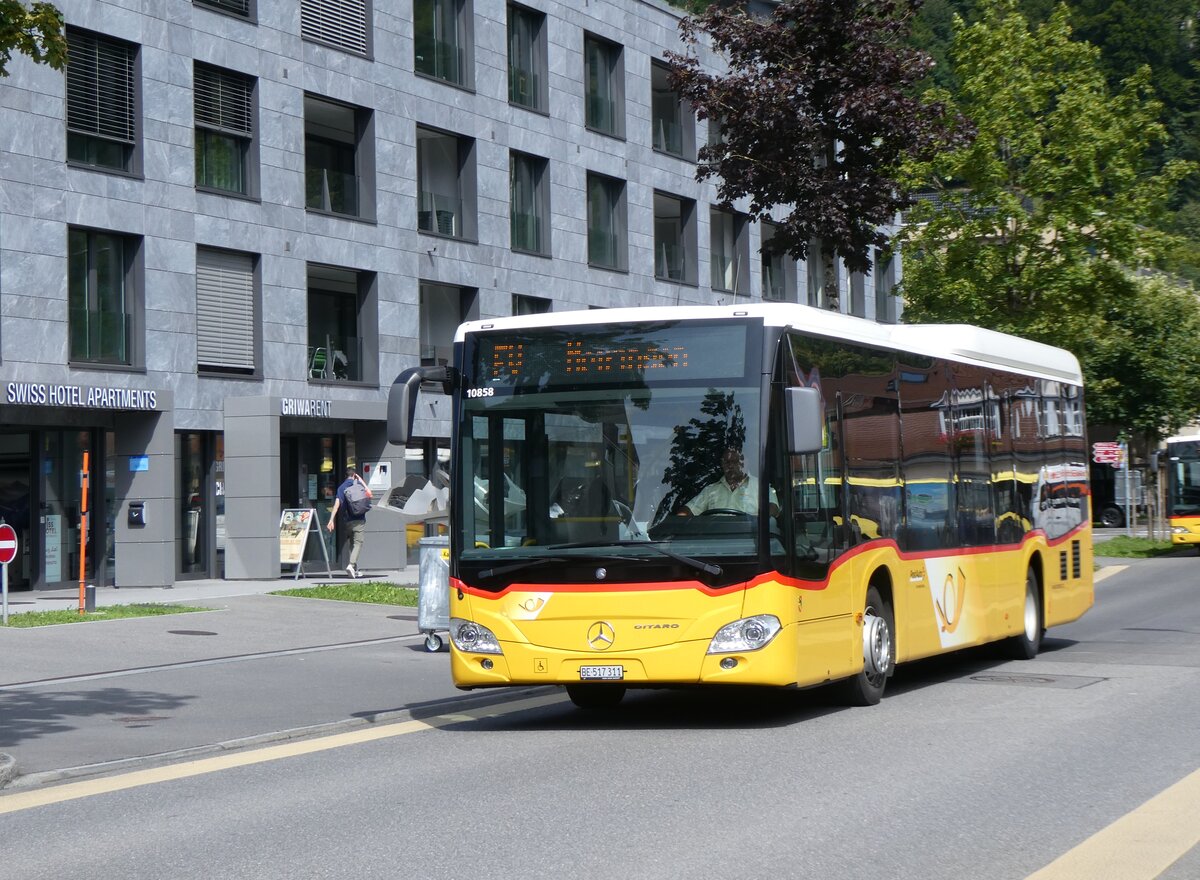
[72,791]
[1108,571]
[1141,844]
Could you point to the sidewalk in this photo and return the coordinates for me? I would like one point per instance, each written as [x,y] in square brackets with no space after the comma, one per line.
[251,666]
[191,590]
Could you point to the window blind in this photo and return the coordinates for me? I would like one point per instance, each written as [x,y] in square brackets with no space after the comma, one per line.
[100,99]
[223,100]
[341,23]
[224,310]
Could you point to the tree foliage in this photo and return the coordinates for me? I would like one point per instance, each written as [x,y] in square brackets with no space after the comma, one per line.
[817,111]
[35,30]
[1035,227]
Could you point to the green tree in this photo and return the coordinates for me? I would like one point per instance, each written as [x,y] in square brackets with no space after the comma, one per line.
[817,111]
[1144,366]
[1034,228]
[35,30]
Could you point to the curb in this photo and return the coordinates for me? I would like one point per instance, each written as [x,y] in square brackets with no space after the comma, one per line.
[8,769]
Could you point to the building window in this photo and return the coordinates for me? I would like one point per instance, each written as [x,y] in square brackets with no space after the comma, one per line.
[338,23]
[823,282]
[778,270]
[604,95]
[886,305]
[227,311]
[240,8]
[530,203]
[101,102]
[606,226]
[342,334]
[672,123]
[858,294]
[445,183]
[338,160]
[224,110]
[441,40]
[530,305]
[729,251]
[443,308]
[674,239]
[102,293]
[527,71]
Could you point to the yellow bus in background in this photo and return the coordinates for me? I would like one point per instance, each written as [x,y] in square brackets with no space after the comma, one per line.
[904,491]
[1183,489]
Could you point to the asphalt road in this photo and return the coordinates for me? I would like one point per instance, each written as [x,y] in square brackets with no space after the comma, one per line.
[971,767]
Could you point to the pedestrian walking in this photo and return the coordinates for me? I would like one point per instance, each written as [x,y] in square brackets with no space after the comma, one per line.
[354,500]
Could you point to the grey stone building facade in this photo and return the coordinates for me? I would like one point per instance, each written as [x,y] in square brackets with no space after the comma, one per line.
[231,223]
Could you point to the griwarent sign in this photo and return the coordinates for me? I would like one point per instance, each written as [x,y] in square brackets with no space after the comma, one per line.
[87,396]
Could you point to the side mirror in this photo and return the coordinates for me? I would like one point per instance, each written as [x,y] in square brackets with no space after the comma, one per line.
[402,399]
[805,416]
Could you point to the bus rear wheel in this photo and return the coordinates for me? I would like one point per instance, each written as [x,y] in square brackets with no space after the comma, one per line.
[879,653]
[1026,644]
[596,696]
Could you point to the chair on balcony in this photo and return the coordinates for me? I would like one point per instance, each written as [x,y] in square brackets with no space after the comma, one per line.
[318,364]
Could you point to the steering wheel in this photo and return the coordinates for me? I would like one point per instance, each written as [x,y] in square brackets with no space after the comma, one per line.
[722,511]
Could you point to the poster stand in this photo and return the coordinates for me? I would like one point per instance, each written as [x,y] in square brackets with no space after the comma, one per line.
[295,527]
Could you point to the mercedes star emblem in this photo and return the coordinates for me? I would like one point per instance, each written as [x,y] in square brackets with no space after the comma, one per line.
[600,636]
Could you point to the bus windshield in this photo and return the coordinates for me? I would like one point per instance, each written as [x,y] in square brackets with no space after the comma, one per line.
[593,443]
[1184,478]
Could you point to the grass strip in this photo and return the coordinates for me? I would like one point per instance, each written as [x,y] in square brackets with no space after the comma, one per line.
[373,592]
[25,619]
[1126,547]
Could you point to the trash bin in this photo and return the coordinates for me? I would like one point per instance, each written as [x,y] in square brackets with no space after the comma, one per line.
[433,591]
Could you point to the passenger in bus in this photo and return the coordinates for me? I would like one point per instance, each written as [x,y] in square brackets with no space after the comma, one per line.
[735,490]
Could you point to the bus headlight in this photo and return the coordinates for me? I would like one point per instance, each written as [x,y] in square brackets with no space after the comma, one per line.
[473,637]
[1178,530]
[747,634]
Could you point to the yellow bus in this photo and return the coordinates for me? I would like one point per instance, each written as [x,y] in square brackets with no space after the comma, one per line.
[767,494]
[1183,488]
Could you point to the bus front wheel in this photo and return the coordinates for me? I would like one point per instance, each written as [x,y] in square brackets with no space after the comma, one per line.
[879,652]
[596,696]
[1026,644]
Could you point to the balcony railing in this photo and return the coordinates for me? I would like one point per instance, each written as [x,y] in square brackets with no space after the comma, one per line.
[100,337]
[440,214]
[668,136]
[772,280]
[668,262]
[527,232]
[336,358]
[724,272]
[602,113]
[602,248]
[332,191]
[523,87]
[440,58]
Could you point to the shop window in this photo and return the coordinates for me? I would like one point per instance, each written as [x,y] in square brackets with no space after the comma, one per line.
[104,293]
[527,69]
[339,161]
[342,325]
[224,112]
[604,89]
[339,23]
[102,123]
[442,40]
[606,224]
[446,183]
[674,239]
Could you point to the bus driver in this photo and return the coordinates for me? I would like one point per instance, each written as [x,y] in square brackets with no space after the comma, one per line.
[735,490]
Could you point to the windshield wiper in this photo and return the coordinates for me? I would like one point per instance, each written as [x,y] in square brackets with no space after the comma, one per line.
[699,565]
[519,566]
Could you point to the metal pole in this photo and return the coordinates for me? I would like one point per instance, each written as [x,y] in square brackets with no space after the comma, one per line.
[1128,494]
[83,529]
[4,577]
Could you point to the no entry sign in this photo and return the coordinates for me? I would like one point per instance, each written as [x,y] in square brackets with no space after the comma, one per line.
[8,544]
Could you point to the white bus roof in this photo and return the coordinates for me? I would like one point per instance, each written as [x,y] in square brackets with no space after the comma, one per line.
[957,342]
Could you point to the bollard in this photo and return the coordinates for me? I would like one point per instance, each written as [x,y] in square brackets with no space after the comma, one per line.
[89,600]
